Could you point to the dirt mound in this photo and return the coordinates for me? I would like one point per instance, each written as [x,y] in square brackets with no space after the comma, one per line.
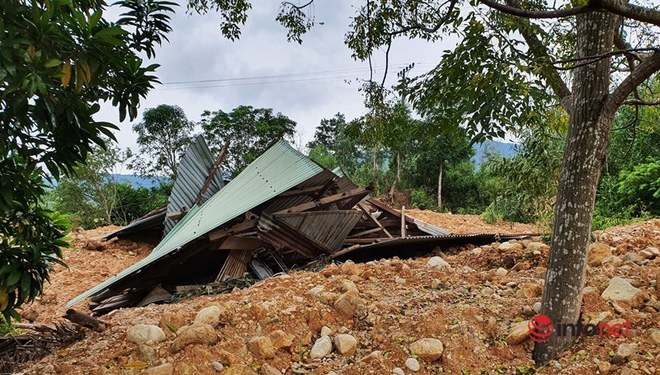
[387,306]
[463,224]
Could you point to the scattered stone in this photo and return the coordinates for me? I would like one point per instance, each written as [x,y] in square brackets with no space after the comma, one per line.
[164,369]
[510,246]
[210,315]
[438,263]
[349,303]
[195,334]
[597,252]
[261,347]
[600,318]
[142,333]
[620,290]
[537,307]
[322,347]
[435,284]
[428,349]
[537,246]
[629,371]
[325,331]
[349,268]
[653,250]
[348,286]
[604,367]
[623,352]
[612,260]
[412,364]
[519,332]
[398,371]
[280,339]
[147,353]
[217,366]
[655,336]
[589,290]
[267,369]
[632,257]
[529,290]
[501,272]
[345,344]
[647,254]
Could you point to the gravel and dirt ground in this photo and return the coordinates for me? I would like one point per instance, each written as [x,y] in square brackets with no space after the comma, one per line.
[369,318]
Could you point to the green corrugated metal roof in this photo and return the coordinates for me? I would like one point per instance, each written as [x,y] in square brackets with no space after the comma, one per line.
[277,170]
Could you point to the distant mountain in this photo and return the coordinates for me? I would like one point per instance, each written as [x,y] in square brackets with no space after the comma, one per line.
[504,149]
[137,181]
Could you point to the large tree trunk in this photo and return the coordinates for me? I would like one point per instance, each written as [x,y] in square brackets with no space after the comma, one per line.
[586,146]
[440,189]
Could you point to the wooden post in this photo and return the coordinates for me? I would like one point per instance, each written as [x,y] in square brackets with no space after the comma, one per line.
[85,320]
[403,221]
[209,178]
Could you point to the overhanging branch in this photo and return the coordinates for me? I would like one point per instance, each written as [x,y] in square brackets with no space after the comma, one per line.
[641,73]
[632,11]
[536,13]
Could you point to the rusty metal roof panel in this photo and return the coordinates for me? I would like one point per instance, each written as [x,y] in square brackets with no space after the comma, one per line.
[328,228]
[277,170]
[193,170]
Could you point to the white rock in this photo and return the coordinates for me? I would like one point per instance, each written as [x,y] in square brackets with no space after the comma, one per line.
[429,349]
[438,263]
[345,344]
[398,371]
[412,364]
[501,272]
[325,331]
[537,307]
[620,290]
[209,315]
[510,246]
[217,366]
[322,347]
[142,333]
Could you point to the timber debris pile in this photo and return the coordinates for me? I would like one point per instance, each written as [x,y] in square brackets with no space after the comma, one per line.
[280,213]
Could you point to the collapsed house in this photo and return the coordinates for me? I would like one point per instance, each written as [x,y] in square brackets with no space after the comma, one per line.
[282,212]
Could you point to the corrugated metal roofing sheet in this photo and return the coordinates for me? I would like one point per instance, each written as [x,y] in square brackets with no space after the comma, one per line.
[328,228]
[151,221]
[193,170]
[278,169]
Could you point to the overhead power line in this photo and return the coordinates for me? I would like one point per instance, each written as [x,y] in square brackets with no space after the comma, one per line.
[273,79]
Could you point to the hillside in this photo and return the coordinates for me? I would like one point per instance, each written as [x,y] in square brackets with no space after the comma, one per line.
[374,314]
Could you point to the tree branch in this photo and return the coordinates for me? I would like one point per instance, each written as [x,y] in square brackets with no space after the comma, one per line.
[632,11]
[513,10]
[592,59]
[541,54]
[641,73]
[427,29]
[640,102]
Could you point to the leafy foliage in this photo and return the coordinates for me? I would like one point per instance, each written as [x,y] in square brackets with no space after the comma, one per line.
[58,60]
[640,187]
[250,131]
[163,136]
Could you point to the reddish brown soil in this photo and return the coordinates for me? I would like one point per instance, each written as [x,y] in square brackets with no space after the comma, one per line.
[471,312]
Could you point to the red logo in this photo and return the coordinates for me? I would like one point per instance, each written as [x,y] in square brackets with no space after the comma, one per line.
[540,328]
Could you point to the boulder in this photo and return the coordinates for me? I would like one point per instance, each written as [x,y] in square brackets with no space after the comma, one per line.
[349,303]
[142,333]
[195,334]
[210,315]
[537,246]
[519,332]
[510,246]
[428,349]
[612,260]
[597,252]
[322,347]
[261,347]
[164,369]
[620,290]
[501,272]
[439,263]
[623,352]
[655,336]
[281,339]
[633,257]
[267,369]
[413,365]
[345,344]
[348,286]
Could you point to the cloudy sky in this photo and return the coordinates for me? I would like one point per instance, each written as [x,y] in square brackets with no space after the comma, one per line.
[306,82]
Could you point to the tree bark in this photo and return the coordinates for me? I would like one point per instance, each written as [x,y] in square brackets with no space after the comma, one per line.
[440,189]
[397,177]
[586,145]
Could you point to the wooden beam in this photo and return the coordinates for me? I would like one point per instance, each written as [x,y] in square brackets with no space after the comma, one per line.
[369,231]
[380,226]
[296,192]
[403,221]
[245,226]
[326,187]
[325,201]
[209,178]
[85,320]
[177,215]
[389,210]
[242,243]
